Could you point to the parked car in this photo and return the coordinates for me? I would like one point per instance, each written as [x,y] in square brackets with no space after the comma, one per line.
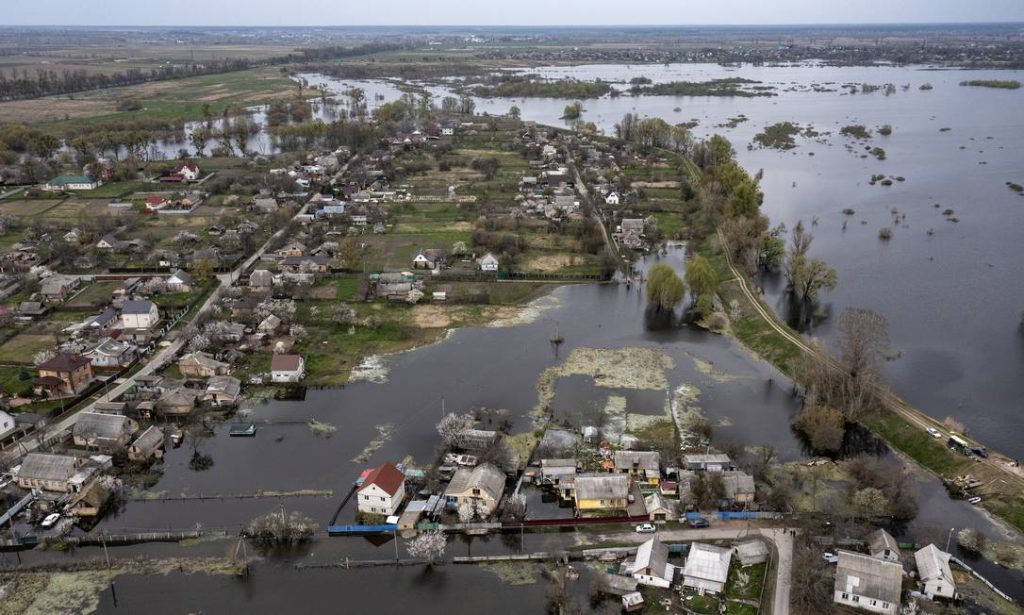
[50,520]
[699,522]
[975,500]
[935,433]
[980,451]
[646,528]
[830,558]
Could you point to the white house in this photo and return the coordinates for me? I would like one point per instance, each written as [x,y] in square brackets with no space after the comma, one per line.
[382,491]
[7,426]
[287,368]
[934,574]
[707,568]
[612,198]
[188,170]
[141,315]
[651,565]
[881,545]
[71,182]
[179,282]
[868,583]
[488,262]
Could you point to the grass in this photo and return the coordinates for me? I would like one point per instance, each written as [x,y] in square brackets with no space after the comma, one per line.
[12,384]
[112,190]
[94,294]
[915,442]
[745,582]
[24,346]
[347,289]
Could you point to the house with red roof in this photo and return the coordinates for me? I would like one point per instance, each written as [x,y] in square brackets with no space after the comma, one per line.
[382,490]
[188,170]
[155,202]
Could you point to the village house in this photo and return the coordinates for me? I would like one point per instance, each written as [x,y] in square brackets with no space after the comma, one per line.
[651,567]
[7,425]
[112,353]
[48,472]
[596,492]
[148,445]
[74,236]
[934,574]
[177,401]
[89,501]
[71,182]
[261,278]
[109,242]
[103,431]
[64,374]
[382,491]
[480,487]
[867,583]
[179,282]
[643,466]
[269,325]
[881,545]
[429,259]
[201,365]
[707,462]
[188,170]
[57,288]
[223,391]
[487,262]
[155,202]
[293,248]
[738,487]
[552,471]
[287,368]
[304,264]
[612,198]
[99,323]
[139,315]
[750,552]
[659,508]
[30,310]
[706,568]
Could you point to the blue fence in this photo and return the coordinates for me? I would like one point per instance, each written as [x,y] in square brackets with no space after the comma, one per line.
[341,530]
[727,515]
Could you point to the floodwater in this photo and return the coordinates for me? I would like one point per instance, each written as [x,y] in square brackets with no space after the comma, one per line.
[951,291]
[746,399]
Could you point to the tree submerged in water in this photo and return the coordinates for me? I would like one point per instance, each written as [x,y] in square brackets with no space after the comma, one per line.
[279,529]
[664,288]
[429,545]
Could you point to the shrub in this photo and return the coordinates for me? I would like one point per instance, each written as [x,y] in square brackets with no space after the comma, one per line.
[885,233]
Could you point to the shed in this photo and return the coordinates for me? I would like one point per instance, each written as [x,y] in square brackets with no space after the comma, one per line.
[707,567]
[750,552]
[148,445]
[882,545]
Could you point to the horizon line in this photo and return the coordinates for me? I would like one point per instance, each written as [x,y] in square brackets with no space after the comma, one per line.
[528,26]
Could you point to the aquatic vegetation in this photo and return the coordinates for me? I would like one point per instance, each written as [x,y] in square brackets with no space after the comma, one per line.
[383,435]
[778,136]
[513,573]
[620,368]
[855,131]
[373,368]
[1001,84]
[321,429]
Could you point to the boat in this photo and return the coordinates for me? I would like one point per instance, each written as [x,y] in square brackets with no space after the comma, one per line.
[242,430]
[176,437]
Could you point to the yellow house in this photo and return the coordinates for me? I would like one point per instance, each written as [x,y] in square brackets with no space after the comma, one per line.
[597,492]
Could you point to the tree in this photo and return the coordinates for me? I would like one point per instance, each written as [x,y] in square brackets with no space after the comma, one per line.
[809,276]
[343,314]
[351,253]
[572,111]
[452,428]
[870,502]
[744,200]
[862,339]
[664,288]
[279,529]
[429,545]
[514,112]
[198,343]
[198,138]
[703,282]
[823,426]
[202,271]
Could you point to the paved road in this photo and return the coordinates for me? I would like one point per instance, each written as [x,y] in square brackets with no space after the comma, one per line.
[779,536]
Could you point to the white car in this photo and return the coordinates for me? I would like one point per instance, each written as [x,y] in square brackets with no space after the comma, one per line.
[975,500]
[50,520]
[830,558]
[646,528]
[935,433]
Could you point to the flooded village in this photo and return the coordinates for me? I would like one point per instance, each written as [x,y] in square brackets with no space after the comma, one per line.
[465,360]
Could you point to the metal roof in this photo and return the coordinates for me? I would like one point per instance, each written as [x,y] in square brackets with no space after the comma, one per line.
[933,564]
[602,486]
[864,575]
[708,562]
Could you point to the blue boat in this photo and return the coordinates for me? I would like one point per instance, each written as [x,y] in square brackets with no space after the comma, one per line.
[242,430]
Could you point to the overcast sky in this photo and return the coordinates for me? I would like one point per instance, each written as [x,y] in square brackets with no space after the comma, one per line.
[491,12]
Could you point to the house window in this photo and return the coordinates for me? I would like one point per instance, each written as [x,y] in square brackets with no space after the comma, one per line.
[846,596]
[476,492]
[885,605]
[938,588]
[856,598]
[874,602]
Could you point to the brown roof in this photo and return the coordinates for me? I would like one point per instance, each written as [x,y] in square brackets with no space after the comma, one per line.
[386,476]
[285,363]
[63,363]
